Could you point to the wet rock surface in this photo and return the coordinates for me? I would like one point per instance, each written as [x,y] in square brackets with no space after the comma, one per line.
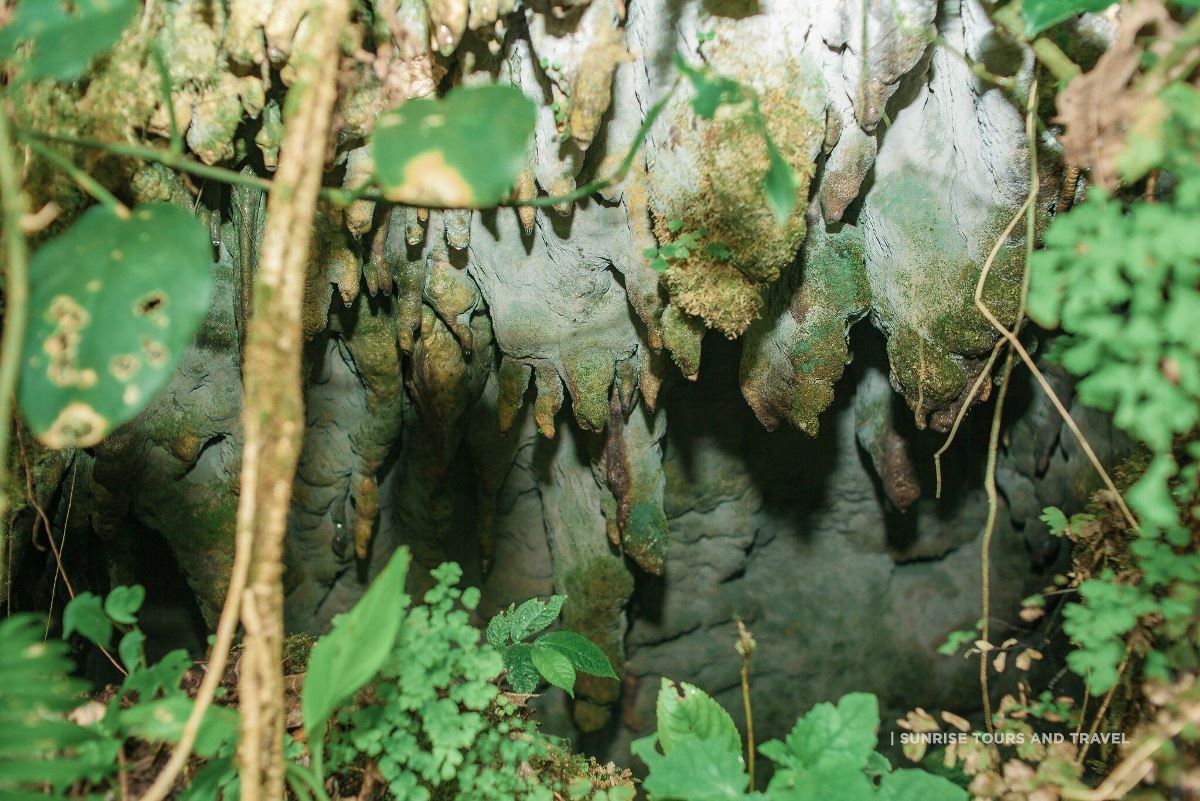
[520,391]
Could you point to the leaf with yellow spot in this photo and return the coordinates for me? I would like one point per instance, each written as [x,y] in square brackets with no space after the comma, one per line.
[461,151]
[113,304]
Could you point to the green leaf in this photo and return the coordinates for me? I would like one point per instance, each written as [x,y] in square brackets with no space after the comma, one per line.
[162,721]
[113,304]
[163,676]
[65,36]
[1055,520]
[584,654]
[131,651]
[688,713]
[711,90]
[836,736]
[34,689]
[498,631]
[85,614]
[207,782]
[554,666]
[533,616]
[917,785]
[123,603]
[779,184]
[522,675]
[956,640]
[461,151]
[352,652]
[1038,15]
[821,784]
[695,770]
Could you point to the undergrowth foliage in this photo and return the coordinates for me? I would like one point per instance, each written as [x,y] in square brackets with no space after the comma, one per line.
[1121,279]
[696,755]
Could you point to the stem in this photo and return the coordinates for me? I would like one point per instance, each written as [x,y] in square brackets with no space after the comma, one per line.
[85,181]
[16,299]
[273,406]
[745,647]
[164,157]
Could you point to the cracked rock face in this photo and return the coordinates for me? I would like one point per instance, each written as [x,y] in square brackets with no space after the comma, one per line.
[520,391]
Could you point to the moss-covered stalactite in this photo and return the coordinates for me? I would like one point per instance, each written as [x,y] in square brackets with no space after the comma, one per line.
[520,391]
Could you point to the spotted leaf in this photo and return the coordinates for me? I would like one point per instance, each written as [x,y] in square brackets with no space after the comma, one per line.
[461,151]
[113,304]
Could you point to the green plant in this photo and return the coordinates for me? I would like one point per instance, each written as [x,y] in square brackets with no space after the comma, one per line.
[433,722]
[39,745]
[712,91]
[63,38]
[681,248]
[1119,277]
[115,300]
[353,651]
[696,755]
[464,150]
[555,656]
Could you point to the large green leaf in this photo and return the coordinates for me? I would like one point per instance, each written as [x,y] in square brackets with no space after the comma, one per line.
[533,616]
[917,785]
[584,654]
[113,304]
[696,770]
[65,36]
[522,675]
[461,151]
[554,666]
[85,614]
[123,603]
[688,713]
[352,653]
[1038,15]
[832,736]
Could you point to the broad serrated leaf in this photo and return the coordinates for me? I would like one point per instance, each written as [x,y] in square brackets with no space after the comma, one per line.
[821,784]
[1038,15]
[356,647]
[584,654]
[695,770]
[533,616]
[461,151]
[123,603]
[917,785]
[522,675]
[836,736]
[688,713]
[498,631]
[64,36]
[547,614]
[554,666]
[85,615]
[113,304]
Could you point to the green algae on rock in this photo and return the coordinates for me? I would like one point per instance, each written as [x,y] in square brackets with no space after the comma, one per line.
[709,177]
[794,355]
